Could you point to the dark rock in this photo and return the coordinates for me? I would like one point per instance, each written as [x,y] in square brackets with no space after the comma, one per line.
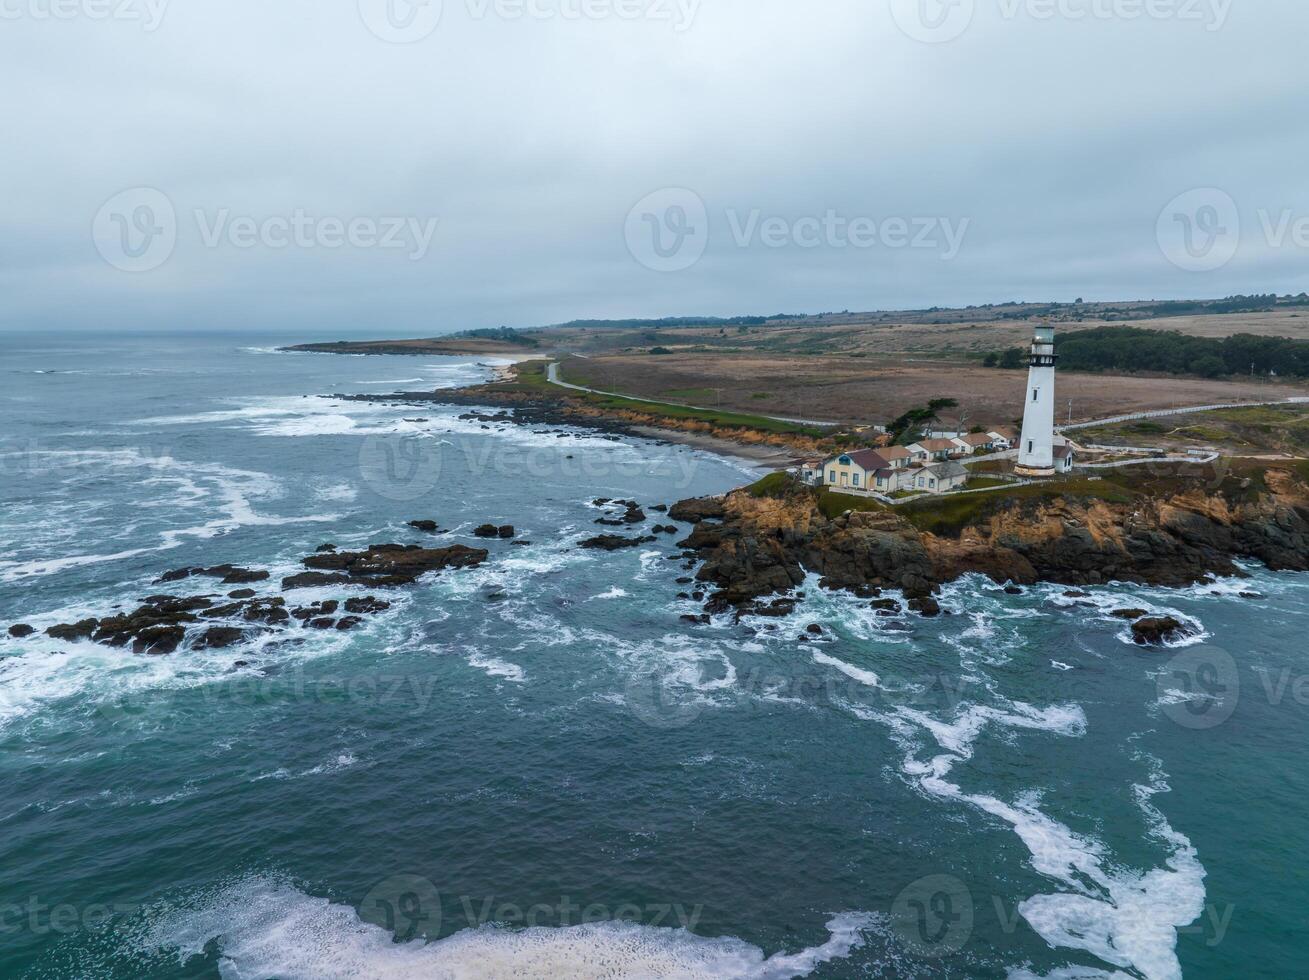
[660,508]
[242,594]
[219,637]
[614,542]
[348,623]
[81,630]
[230,574]
[1158,630]
[312,580]
[1129,613]
[366,605]
[886,605]
[813,629]
[323,623]
[685,580]
[664,529]
[507,531]
[158,640]
[317,609]
[1013,590]
[20,631]
[925,606]
[430,527]
[241,576]
[1076,594]
[776,608]
[487,531]
[702,620]
[1251,595]
[390,564]
[326,547]
[698,509]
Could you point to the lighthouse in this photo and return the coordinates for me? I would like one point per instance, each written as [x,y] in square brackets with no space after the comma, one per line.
[1036,453]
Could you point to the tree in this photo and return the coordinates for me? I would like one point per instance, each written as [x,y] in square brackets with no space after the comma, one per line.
[991,360]
[1208,366]
[1012,358]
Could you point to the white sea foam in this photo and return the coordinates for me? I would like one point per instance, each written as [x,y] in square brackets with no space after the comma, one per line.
[613,593]
[1127,919]
[229,492]
[1100,605]
[850,670]
[496,667]
[269,928]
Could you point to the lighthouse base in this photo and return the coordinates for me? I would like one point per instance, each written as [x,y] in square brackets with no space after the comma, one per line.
[1033,471]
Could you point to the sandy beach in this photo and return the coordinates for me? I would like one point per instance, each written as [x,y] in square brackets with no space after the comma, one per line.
[764,458]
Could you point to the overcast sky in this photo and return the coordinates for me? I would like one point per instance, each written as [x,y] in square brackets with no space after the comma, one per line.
[360,166]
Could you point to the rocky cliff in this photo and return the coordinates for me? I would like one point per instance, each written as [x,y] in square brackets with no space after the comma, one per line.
[1174,531]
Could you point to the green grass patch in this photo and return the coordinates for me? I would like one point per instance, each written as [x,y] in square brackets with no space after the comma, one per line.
[775,485]
[691,394]
[833,505]
[948,515]
[724,420]
[1146,428]
[985,482]
[529,379]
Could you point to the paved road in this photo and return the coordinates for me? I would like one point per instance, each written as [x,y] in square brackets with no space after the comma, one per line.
[1165,413]
[552,375]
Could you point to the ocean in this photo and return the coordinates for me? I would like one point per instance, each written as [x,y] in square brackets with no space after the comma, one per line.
[535,768]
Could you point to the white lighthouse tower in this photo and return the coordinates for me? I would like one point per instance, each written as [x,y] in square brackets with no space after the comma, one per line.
[1036,454]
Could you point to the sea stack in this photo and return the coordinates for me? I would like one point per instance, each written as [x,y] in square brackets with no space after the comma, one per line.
[1036,451]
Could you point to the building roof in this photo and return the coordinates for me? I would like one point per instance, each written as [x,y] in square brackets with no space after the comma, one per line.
[886,473]
[979,438]
[1004,432]
[866,459]
[947,470]
[1063,452]
[937,445]
[892,453]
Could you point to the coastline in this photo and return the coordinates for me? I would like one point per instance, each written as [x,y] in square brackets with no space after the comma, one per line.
[765,459]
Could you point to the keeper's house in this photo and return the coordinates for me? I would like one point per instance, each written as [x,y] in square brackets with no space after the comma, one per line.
[864,470]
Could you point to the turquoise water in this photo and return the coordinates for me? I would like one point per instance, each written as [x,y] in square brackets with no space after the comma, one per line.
[535,766]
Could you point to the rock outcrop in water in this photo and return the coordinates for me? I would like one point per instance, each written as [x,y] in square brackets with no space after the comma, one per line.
[1172,531]
[382,565]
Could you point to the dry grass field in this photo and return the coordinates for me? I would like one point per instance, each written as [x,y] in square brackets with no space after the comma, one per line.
[939,334]
[877,389]
[871,367]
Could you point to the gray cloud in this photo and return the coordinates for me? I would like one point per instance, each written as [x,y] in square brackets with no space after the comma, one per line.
[1055,141]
